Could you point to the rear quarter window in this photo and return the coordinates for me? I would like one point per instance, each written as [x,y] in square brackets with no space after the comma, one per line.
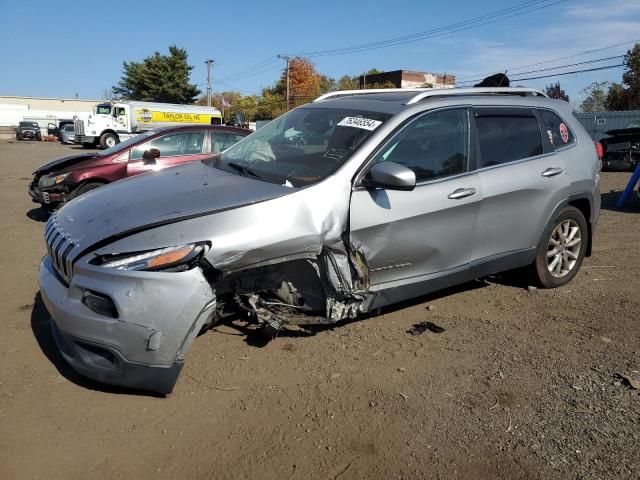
[560,135]
[507,136]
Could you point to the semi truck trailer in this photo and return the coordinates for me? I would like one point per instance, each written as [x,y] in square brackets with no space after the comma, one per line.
[112,122]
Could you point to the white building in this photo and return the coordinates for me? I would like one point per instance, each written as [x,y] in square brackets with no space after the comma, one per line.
[14,109]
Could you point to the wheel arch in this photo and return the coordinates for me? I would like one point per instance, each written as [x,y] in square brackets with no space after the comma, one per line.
[584,202]
[109,130]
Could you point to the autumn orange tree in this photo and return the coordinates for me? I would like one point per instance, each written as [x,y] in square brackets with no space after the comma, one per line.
[305,84]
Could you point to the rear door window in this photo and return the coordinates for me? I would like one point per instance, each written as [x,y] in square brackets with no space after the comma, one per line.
[507,135]
[560,135]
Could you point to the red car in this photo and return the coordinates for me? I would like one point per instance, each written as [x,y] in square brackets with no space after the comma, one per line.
[60,180]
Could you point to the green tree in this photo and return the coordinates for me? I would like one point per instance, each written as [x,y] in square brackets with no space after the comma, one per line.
[631,78]
[617,98]
[158,78]
[595,97]
[357,82]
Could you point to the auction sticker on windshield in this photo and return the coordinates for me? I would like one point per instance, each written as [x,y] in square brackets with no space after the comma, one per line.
[359,122]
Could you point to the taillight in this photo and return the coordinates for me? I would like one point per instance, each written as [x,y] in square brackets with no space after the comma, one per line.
[599,150]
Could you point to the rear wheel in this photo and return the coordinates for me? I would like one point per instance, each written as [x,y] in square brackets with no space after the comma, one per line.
[562,249]
[108,140]
[84,189]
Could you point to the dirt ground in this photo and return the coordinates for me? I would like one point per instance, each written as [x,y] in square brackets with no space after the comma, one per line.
[520,385]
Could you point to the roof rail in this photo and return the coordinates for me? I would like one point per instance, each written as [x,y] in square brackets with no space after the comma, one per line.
[367,91]
[423,93]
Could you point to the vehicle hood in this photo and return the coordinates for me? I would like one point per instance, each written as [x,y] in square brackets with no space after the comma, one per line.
[65,162]
[158,198]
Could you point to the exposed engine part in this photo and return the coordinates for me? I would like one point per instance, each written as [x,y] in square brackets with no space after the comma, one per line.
[325,290]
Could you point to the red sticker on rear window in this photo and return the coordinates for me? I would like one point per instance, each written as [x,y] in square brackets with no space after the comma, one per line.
[564,133]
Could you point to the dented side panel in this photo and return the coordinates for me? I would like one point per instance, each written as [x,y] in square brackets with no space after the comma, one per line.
[409,234]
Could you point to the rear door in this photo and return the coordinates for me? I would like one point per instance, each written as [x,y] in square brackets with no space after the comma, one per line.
[521,179]
[175,148]
[406,235]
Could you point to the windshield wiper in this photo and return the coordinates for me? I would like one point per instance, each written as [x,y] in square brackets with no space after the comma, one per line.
[244,169]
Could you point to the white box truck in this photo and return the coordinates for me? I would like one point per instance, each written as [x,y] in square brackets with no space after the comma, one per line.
[112,122]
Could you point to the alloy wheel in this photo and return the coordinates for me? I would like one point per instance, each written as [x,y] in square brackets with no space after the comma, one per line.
[563,250]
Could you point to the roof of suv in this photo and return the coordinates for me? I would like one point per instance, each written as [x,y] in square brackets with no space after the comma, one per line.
[396,100]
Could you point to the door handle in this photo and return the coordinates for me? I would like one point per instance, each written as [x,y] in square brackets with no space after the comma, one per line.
[462,193]
[551,172]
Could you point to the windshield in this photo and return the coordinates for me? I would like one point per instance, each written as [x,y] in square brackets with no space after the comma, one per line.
[68,128]
[103,110]
[127,143]
[303,146]
[634,124]
[28,124]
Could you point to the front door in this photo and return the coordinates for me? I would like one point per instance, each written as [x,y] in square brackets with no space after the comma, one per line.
[408,236]
[175,148]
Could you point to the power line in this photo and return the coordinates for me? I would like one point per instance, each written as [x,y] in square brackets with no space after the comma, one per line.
[253,74]
[586,52]
[521,9]
[570,73]
[258,66]
[551,68]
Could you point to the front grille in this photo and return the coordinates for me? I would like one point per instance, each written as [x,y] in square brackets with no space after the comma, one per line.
[78,126]
[60,247]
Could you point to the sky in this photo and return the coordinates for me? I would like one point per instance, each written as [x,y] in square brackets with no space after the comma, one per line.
[77,48]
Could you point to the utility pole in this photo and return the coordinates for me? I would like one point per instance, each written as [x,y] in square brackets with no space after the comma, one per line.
[209,62]
[286,58]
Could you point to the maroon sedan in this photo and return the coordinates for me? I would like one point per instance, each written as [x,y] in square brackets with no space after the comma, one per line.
[66,178]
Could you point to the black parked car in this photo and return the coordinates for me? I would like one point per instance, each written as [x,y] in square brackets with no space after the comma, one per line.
[622,148]
[28,131]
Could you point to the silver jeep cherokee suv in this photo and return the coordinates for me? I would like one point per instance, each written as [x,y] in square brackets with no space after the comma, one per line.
[355,201]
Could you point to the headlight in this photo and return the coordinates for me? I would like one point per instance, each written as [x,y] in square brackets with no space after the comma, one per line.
[49,181]
[176,258]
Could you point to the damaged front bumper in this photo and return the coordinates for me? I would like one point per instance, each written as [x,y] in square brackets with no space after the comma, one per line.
[47,197]
[143,342]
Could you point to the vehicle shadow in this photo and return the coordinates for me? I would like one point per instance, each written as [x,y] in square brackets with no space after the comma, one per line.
[39,214]
[80,147]
[255,337]
[41,328]
[610,198]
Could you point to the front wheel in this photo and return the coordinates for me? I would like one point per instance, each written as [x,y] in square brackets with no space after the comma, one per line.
[108,140]
[84,189]
[562,249]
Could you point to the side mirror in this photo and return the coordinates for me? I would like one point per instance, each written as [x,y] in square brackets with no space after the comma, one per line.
[390,176]
[149,156]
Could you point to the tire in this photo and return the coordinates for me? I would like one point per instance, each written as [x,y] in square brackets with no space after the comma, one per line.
[568,235]
[19,136]
[84,188]
[108,140]
[38,137]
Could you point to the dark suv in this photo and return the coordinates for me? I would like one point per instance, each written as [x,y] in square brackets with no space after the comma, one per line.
[60,180]
[28,131]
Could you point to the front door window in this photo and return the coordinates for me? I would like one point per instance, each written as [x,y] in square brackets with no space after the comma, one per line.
[176,144]
[433,146]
